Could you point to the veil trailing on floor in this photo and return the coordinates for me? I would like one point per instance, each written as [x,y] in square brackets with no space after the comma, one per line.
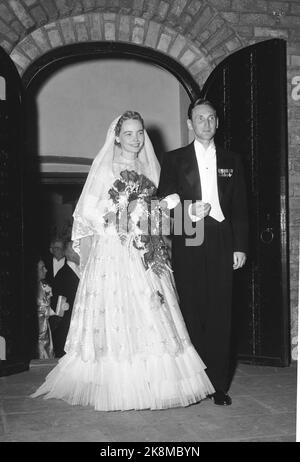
[94,199]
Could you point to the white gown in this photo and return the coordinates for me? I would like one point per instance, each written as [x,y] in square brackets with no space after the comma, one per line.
[127,347]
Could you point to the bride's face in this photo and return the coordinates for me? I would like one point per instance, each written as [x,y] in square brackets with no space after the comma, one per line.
[131,137]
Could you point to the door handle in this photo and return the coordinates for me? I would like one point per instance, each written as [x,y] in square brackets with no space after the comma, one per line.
[267,235]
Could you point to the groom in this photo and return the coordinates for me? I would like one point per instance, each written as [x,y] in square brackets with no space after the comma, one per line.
[210,179]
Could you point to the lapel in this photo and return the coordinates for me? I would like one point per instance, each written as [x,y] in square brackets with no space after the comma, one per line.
[62,268]
[191,172]
[60,271]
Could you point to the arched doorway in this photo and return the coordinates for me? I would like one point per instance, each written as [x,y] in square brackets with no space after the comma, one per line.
[70,183]
[105,50]
[256,327]
[46,68]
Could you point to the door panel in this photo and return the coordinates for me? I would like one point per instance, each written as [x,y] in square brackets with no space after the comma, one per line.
[249,90]
[12,322]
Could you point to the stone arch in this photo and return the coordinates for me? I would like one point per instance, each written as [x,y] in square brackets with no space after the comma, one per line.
[192,32]
[107,27]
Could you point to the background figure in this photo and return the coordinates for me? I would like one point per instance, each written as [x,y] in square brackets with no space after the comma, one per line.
[64,283]
[44,294]
[212,179]
[56,260]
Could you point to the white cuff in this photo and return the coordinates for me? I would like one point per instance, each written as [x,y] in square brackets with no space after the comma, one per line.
[172,200]
[194,218]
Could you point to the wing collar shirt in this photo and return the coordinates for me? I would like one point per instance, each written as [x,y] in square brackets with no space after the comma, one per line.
[57,265]
[207,166]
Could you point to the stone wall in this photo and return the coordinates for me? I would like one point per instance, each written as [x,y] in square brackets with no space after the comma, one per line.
[198,33]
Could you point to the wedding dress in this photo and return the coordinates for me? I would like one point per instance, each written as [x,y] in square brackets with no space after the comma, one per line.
[127,347]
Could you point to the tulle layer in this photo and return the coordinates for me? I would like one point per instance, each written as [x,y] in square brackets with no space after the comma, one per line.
[110,385]
[127,347]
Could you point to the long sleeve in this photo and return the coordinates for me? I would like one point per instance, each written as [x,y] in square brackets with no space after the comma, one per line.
[239,215]
[86,225]
[168,183]
[168,178]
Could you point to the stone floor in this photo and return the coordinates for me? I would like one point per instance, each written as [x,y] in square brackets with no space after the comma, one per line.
[263,410]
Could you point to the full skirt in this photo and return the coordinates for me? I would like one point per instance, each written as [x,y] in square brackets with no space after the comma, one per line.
[127,347]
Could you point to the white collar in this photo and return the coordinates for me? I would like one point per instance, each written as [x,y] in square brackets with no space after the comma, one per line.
[59,262]
[201,150]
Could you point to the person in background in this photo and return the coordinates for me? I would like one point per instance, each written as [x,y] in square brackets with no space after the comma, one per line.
[65,284]
[57,258]
[44,311]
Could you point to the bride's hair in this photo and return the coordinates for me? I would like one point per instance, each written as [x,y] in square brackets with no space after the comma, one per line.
[128,115]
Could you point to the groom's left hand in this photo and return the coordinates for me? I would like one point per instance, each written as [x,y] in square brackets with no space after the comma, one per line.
[239,259]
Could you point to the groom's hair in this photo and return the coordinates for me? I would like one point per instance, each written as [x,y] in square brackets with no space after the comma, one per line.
[128,115]
[199,102]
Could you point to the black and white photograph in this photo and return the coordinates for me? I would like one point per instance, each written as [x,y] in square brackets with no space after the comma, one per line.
[149,223]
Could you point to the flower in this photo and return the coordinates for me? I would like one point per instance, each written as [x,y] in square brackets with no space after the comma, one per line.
[120,185]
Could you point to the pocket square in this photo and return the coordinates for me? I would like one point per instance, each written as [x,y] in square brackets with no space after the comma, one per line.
[225,172]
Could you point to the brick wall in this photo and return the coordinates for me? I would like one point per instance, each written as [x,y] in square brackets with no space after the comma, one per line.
[198,33]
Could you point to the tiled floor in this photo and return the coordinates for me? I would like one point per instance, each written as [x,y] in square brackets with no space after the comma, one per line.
[263,410]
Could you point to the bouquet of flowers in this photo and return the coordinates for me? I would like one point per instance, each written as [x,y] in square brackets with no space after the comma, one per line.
[137,214]
[46,292]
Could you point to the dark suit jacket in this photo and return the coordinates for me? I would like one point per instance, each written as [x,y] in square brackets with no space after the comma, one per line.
[180,175]
[64,283]
[49,265]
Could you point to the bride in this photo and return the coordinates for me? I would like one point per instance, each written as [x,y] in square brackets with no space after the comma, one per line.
[127,347]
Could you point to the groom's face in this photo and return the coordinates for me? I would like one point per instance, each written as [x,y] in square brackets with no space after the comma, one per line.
[204,122]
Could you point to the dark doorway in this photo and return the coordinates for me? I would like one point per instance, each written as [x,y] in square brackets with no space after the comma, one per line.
[58,197]
[12,308]
[49,187]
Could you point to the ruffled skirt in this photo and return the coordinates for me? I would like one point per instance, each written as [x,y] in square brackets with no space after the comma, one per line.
[127,347]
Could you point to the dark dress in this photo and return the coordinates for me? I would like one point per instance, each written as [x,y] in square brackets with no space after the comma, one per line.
[45,343]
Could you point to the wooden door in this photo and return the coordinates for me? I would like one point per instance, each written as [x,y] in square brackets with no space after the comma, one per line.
[12,309]
[249,90]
